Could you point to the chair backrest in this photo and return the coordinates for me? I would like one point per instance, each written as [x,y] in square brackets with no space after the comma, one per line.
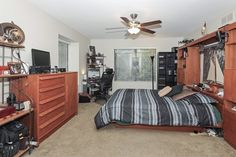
[107,78]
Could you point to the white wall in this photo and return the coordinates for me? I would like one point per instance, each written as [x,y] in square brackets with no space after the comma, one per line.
[42,30]
[107,46]
[212,25]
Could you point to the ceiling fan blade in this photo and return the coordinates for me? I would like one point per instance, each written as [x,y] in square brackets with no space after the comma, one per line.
[147,30]
[125,19]
[115,28]
[150,23]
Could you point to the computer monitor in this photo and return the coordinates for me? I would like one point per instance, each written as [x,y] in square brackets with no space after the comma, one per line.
[40,58]
[93,73]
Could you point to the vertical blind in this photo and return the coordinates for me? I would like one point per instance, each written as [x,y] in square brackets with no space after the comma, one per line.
[134,64]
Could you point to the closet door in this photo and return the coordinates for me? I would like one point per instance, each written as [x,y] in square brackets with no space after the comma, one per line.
[71,94]
[192,71]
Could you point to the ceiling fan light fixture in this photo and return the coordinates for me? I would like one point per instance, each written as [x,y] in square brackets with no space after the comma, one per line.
[134,30]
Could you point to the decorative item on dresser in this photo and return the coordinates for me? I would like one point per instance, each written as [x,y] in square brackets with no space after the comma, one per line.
[55,100]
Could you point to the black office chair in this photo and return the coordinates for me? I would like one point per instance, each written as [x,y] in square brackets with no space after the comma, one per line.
[105,84]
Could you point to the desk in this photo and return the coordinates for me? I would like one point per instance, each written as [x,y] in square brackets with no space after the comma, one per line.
[93,86]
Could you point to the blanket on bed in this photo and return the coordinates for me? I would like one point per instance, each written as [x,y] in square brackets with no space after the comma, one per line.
[144,106]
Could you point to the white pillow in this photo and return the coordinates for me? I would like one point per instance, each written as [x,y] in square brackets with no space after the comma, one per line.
[164,91]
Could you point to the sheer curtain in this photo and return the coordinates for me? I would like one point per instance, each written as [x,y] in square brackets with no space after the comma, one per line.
[213,65]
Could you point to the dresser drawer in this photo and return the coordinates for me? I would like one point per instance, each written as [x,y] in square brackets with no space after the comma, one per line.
[47,104]
[49,126]
[51,81]
[50,92]
[51,113]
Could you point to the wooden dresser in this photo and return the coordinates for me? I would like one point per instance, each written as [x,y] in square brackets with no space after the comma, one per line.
[55,100]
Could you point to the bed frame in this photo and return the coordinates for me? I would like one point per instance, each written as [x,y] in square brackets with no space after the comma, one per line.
[169,128]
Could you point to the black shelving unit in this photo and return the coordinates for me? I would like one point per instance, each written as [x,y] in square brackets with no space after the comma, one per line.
[167,69]
[95,68]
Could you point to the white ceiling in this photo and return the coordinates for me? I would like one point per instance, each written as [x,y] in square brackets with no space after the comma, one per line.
[91,17]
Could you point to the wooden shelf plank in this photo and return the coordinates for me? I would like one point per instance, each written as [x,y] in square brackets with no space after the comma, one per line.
[14,116]
[11,45]
[13,75]
[230,26]
[200,40]
[21,152]
[209,37]
[218,98]
[231,43]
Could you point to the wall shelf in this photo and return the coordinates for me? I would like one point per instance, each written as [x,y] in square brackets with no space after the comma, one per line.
[23,116]
[14,116]
[21,152]
[231,43]
[11,45]
[13,75]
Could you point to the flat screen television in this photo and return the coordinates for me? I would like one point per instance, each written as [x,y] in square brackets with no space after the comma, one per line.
[40,58]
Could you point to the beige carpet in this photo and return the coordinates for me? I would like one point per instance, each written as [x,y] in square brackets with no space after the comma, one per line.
[79,138]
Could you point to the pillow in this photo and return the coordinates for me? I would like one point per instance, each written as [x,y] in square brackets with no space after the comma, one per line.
[199,98]
[175,90]
[164,91]
[183,94]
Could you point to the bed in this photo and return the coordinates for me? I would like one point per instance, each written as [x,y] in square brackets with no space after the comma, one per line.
[144,107]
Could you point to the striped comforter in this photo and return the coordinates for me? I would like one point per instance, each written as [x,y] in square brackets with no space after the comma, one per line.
[144,106]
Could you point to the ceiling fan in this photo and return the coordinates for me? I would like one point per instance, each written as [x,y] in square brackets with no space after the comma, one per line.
[134,26]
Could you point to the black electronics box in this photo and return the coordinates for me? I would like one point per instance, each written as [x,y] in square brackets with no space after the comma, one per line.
[39,69]
[62,69]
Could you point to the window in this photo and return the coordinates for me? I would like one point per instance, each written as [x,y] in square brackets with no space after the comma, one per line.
[134,64]
[63,54]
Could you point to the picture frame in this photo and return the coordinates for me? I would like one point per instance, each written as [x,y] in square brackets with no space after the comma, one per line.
[14,67]
[92,50]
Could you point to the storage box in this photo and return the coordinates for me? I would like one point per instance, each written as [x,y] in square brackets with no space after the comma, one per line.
[6,110]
